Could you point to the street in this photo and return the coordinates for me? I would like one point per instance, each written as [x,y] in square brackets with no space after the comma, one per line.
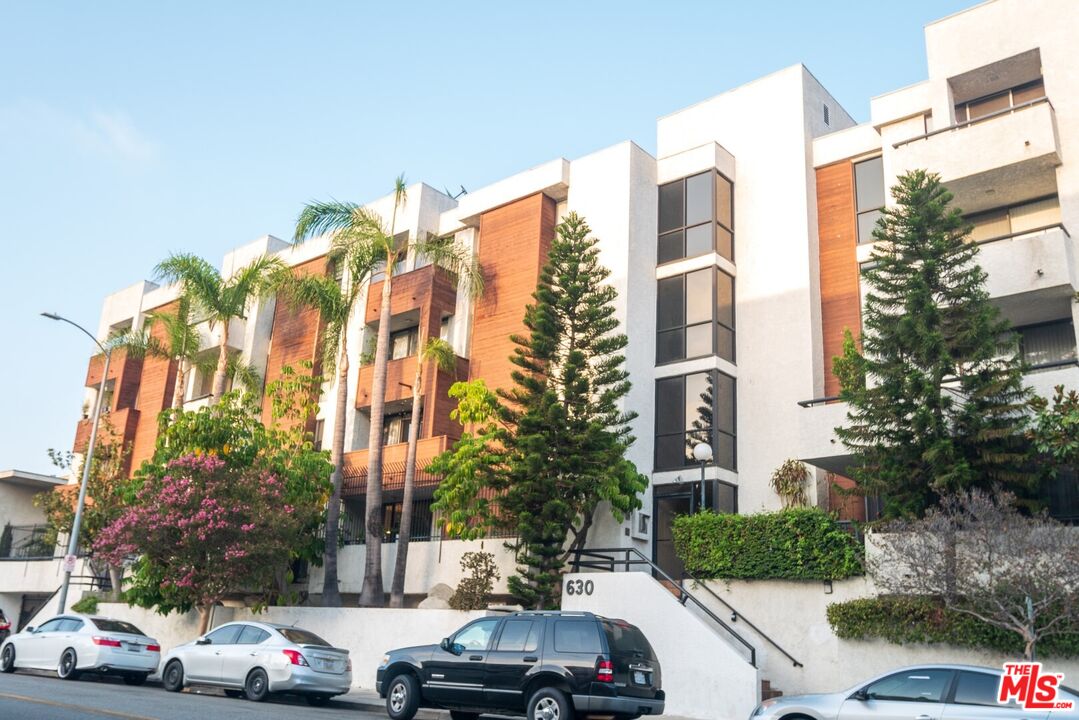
[44,697]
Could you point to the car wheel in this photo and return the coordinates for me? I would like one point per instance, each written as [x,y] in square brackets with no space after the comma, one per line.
[460,715]
[135,678]
[7,659]
[257,687]
[402,697]
[234,693]
[549,704]
[173,677]
[317,700]
[66,669]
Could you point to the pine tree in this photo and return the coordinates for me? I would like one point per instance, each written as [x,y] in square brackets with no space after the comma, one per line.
[936,396]
[556,447]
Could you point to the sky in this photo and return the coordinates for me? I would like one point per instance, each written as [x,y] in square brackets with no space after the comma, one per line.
[130,130]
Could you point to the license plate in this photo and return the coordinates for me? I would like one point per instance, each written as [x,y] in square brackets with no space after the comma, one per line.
[134,648]
[640,677]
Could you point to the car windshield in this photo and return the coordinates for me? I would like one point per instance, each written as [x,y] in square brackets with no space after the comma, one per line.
[625,639]
[115,626]
[302,637]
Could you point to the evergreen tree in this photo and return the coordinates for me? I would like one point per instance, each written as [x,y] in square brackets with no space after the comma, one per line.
[936,396]
[552,447]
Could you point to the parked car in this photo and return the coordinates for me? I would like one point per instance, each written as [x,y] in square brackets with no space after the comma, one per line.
[546,665]
[256,659]
[5,627]
[928,692]
[75,644]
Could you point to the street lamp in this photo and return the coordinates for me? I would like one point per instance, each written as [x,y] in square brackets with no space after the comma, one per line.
[702,453]
[73,542]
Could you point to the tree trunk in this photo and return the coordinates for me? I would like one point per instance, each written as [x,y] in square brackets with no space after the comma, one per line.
[116,575]
[221,374]
[397,591]
[372,593]
[331,596]
[179,386]
[204,618]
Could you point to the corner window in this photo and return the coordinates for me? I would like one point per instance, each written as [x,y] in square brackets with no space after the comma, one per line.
[696,216]
[695,316]
[869,196]
[691,409]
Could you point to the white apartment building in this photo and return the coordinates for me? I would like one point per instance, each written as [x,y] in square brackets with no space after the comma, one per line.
[735,252]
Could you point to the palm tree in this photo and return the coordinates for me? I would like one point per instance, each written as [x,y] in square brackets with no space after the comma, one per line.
[335,302]
[442,355]
[218,299]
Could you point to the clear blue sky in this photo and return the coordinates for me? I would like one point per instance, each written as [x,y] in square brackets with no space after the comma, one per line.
[129,130]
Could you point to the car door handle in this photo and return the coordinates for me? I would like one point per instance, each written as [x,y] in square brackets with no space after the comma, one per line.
[217,653]
[252,654]
[531,658]
[922,717]
[475,657]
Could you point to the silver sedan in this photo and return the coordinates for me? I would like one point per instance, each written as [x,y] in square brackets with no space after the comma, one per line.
[929,692]
[255,659]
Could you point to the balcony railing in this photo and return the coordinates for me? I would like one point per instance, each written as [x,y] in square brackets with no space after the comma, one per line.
[976,121]
[25,542]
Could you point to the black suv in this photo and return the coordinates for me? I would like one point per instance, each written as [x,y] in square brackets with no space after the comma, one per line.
[548,665]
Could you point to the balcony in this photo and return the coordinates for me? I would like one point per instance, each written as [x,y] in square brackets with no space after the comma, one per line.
[1037,259]
[401,373]
[123,423]
[430,287]
[994,160]
[120,366]
[393,465]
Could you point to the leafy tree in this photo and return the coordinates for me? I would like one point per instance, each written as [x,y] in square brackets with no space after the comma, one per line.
[987,560]
[474,591]
[1055,429]
[219,299]
[941,408]
[551,448]
[202,530]
[349,223]
[441,354]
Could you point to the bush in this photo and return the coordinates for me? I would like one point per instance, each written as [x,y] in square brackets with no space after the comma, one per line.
[474,591]
[793,544]
[919,619]
[87,605]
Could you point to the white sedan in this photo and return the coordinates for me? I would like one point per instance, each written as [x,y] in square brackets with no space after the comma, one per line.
[75,644]
[255,659]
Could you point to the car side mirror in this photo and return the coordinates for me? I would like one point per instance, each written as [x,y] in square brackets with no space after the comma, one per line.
[860,695]
[203,640]
[30,629]
[445,644]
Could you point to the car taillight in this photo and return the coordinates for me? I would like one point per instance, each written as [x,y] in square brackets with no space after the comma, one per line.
[605,671]
[106,641]
[296,658]
[348,664]
[153,648]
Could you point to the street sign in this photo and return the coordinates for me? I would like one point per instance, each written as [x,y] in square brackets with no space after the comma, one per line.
[69,563]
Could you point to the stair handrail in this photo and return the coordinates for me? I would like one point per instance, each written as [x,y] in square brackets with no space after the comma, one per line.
[597,555]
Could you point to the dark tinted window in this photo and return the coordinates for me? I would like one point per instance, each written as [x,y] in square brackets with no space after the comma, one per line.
[671,311]
[302,637]
[695,217]
[724,206]
[691,409]
[625,639]
[976,688]
[116,626]
[671,206]
[518,636]
[252,635]
[670,247]
[225,636]
[912,685]
[576,636]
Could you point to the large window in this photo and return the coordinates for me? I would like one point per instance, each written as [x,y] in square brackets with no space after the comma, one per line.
[403,343]
[691,409]
[868,196]
[695,316]
[696,217]
[1015,219]
[989,104]
[1047,343]
[395,428]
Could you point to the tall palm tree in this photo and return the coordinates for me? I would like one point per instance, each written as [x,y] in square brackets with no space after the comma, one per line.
[350,252]
[219,299]
[348,222]
[441,354]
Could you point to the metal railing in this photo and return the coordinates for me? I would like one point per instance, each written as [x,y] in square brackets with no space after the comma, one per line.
[607,559]
[26,542]
[967,123]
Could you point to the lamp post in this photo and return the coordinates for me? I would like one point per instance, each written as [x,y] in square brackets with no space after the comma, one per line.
[702,453]
[73,542]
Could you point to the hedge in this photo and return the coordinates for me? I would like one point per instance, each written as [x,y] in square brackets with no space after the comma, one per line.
[794,544]
[918,619]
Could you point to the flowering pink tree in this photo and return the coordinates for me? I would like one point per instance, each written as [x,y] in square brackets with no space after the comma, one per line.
[200,531]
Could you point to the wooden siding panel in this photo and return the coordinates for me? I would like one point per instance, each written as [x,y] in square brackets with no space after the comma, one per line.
[839,274]
[156,382]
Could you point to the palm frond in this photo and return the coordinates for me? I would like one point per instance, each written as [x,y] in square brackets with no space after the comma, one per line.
[330,217]
[139,343]
[198,279]
[255,279]
[319,292]
[455,257]
[243,374]
[331,343]
[441,352]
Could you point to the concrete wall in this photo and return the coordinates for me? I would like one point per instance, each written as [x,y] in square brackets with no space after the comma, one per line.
[17,505]
[366,633]
[704,676]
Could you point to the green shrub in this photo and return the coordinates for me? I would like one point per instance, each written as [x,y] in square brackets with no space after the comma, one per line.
[917,619]
[793,544]
[87,605]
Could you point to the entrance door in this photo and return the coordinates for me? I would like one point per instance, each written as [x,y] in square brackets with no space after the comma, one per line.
[670,501]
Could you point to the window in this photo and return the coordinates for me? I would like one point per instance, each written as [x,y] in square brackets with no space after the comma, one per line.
[70,625]
[50,626]
[868,196]
[476,636]
[975,688]
[395,428]
[302,637]
[970,110]
[1047,343]
[912,685]
[519,636]
[445,329]
[625,639]
[320,430]
[252,635]
[1015,219]
[400,246]
[403,342]
[576,636]
[696,216]
[225,635]
[827,119]
[116,626]
[691,409]
[695,316]
[422,520]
